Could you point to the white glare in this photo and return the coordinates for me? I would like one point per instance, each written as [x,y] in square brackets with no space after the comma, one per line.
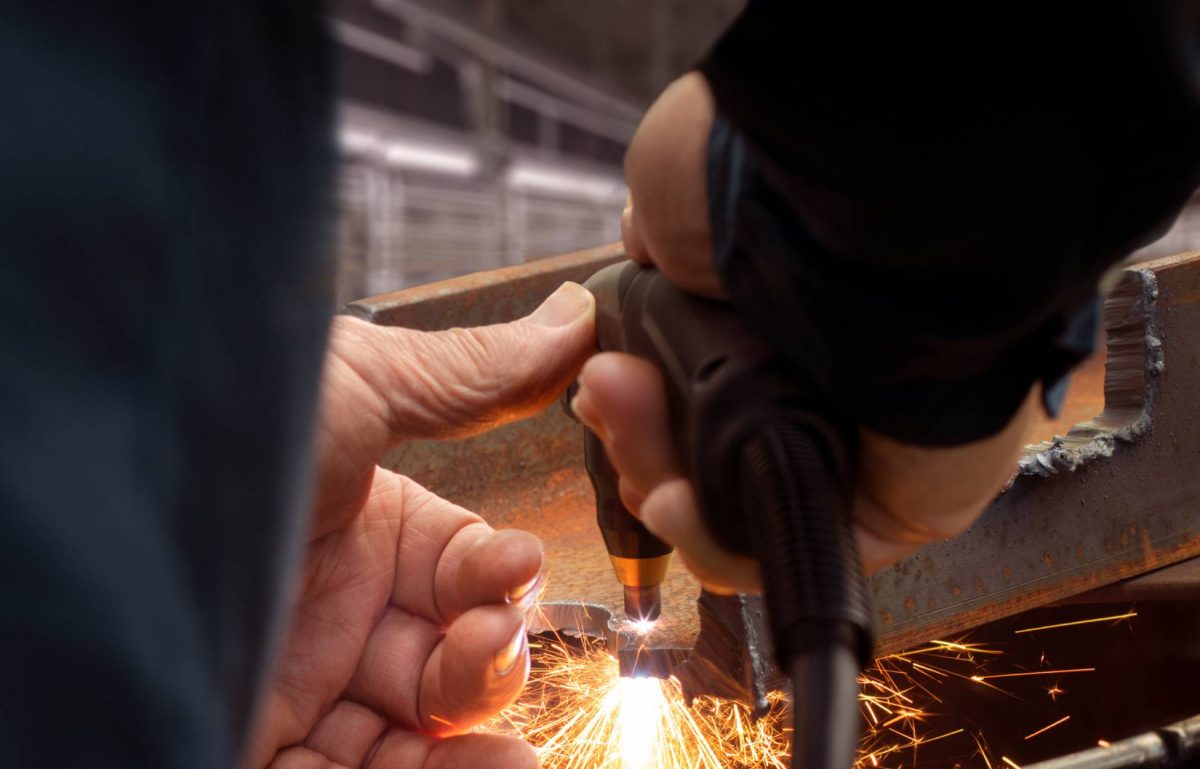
[410,155]
[565,181]
[639,713]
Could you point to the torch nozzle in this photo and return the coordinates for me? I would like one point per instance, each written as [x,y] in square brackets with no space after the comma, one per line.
[643,603]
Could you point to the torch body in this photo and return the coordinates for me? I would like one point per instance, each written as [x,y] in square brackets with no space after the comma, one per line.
[772,464]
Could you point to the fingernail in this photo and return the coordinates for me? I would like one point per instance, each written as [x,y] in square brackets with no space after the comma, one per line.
[526,594]
[505,660]
[581,404]
[564,306]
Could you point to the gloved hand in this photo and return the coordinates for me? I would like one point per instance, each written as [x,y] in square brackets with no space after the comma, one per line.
[906,495]
[408,622]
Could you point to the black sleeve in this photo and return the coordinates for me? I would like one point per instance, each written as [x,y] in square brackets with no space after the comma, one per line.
[163,306]
[916,203]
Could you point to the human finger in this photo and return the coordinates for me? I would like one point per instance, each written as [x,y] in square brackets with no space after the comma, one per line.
[670,512]
[347,734]
[446,384]
[631,239]
[381,385]
[479,667]
[621,398]
[409,750]
[404,749]
[487,567]
[442,681]
[448,560]
[388,676]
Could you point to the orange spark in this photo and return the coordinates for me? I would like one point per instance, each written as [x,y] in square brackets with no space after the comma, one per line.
[1113,618]
[982,752]
[1048,727]
[578,713]
[1024,674]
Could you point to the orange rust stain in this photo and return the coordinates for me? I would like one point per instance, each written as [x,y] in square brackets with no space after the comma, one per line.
[956,590]
[910,604]
[1047,558]
[1182,299]
[978,585]
[1085,399]
[1148,553]
[886,616]
[1007,572]
[1079,551]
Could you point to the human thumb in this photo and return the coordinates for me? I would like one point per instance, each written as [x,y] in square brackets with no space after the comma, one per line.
[454,383]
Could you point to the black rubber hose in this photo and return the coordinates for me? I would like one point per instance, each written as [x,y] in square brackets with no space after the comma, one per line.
[797,500]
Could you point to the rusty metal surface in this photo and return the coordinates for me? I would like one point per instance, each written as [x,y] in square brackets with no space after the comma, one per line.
[1180,582]
[1114,498]
[493,296]
[1117,497]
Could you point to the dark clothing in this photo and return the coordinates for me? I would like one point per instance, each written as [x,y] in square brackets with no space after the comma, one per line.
[915,202]
[164,299]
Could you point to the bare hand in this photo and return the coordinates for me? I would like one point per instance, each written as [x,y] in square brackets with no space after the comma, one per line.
[408,624]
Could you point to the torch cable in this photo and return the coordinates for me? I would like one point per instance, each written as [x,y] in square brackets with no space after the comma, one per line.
[796,497]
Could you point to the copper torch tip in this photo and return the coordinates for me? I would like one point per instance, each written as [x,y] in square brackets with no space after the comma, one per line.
[643,603]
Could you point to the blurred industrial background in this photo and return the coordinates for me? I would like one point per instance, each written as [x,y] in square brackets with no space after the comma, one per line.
[482,133]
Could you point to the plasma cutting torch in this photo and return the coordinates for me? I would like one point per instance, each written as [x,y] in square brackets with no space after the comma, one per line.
[772,466]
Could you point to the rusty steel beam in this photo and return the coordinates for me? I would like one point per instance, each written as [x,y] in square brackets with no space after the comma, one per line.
[1114,498]
[1118,496]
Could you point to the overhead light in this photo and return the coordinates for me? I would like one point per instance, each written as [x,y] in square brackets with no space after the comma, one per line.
[358,142]
[412,156]
[424,158]
[564,180]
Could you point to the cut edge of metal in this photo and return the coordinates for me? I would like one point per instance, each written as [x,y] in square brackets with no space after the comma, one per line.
[1131,363]
[628,644]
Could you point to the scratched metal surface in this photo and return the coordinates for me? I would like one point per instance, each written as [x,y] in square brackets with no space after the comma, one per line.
[1092,520]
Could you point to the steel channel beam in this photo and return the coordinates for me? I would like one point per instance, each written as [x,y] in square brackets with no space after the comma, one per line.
[1115,498]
